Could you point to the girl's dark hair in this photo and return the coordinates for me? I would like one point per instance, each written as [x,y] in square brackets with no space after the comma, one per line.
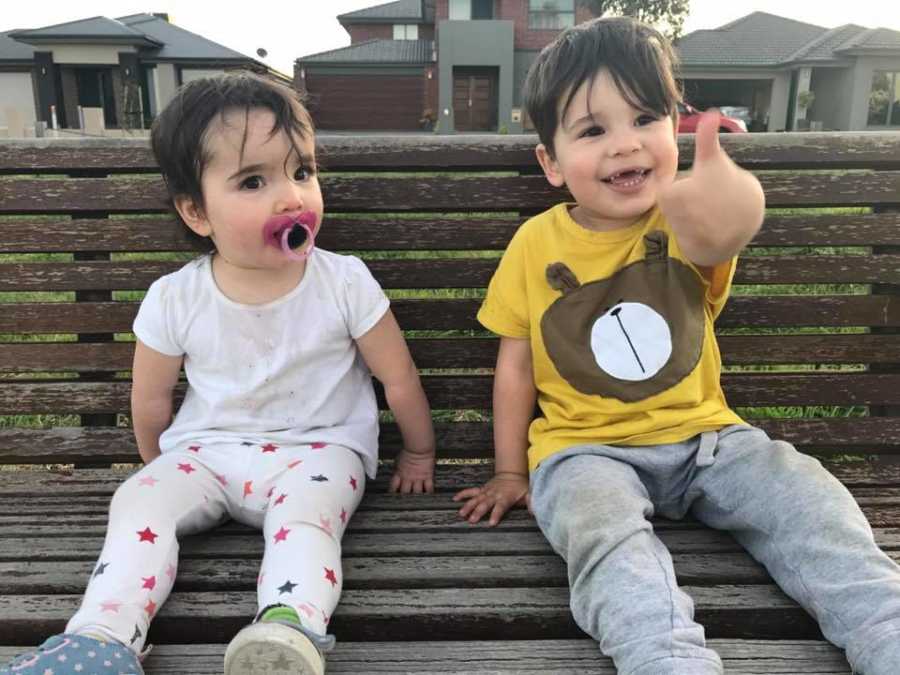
[639,59]
[179,133]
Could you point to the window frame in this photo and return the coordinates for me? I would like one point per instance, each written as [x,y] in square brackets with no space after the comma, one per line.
[542,12]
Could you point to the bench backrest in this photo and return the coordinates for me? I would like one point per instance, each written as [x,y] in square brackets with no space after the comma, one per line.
[431,215]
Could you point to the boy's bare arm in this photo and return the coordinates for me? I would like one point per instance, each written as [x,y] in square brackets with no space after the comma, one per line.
[154,378]
[387,356]
[514,398]
[719,207]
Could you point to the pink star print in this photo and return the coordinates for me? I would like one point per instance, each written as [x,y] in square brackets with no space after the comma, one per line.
[194,448]
[222,480]
[110,606]
[325,523]
[268,447]
[187,468]
[317,446]
[306,609]
[280,499]
[329,574]
[293,464]
[248,488]
[281,535]
[148,480]
[344,516]
[147,535]
[170,571]
[353,483]
[149,583]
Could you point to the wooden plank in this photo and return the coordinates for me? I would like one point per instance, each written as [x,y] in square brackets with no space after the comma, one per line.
[455,392]
[460,353]
[458,440]
[426,194]
[459,314]
[423,233]
[505,657]
[734,611]
[379,152]
[438,272]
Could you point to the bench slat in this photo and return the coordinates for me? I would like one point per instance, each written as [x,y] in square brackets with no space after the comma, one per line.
[438,273]
[459,314]
[506,657]
[464,392]
[161,233]
[479,352]
[472,440]
[395,152]
[129,194]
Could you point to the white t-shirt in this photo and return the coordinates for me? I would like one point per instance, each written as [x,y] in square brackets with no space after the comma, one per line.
[287,372]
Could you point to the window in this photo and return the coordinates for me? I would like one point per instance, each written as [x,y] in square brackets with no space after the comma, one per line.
[551,14]
[884,99]
[466,10]
[408,31]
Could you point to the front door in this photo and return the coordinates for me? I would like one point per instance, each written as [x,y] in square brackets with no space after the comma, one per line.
[475,99]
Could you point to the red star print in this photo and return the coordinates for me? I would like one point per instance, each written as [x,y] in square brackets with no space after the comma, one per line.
[353,483]
[222,480]
[150,608]
[269,493]
[149,583]
[187,468]
[248,488]
[194,448]
[281,535]
[147,535]
[293,464]
[329,574]
[280,499]
[317,446]
[344,516]
[268,447]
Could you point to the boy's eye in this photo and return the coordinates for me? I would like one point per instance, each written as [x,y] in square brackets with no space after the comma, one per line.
[251,183]
[593,131]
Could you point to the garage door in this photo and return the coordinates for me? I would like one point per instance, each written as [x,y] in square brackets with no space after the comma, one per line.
[366,102]
[17,100]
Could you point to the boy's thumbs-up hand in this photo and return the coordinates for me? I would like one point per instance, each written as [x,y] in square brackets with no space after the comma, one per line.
[718,207]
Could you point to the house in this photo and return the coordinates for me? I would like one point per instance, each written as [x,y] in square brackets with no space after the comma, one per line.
[413,64]
[795,75]
[460,65]
[99,73]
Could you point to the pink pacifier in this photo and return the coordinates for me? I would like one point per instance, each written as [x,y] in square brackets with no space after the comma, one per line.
[290,233]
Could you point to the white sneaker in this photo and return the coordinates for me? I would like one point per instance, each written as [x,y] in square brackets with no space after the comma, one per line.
[268,648]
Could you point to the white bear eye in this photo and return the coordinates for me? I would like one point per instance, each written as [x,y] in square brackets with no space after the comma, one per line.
[631,341]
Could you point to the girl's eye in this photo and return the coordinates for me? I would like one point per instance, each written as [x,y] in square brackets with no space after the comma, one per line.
[251,183]
[302,173]
[644,120]
[593,131]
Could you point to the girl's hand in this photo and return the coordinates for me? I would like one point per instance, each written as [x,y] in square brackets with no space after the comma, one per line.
[413,472]
[498,496]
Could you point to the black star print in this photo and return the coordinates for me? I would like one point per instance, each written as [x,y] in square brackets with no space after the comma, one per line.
[101,568]
[319,479]
[287,587]
[247,443]
[137,634]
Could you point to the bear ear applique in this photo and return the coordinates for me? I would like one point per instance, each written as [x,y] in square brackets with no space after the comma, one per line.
[561,278]
[656,246]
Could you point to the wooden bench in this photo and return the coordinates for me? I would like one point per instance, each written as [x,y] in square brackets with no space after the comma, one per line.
[425,592]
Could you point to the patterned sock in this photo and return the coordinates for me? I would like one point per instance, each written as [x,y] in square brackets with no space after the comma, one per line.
[280,613]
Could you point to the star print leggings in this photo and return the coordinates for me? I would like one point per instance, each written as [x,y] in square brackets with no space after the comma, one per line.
[300,496]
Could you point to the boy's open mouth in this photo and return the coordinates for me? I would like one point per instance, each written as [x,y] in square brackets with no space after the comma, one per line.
[628,177]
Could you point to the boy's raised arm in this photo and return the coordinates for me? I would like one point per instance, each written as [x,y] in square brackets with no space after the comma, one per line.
[514,398]
[719,207]
[387,356]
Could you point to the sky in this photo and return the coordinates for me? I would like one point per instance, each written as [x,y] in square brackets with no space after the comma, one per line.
[288,30]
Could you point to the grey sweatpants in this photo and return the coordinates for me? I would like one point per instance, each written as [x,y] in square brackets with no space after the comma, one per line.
[593,502]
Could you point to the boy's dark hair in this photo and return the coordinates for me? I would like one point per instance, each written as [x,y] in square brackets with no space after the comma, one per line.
[639,59]
[179,133]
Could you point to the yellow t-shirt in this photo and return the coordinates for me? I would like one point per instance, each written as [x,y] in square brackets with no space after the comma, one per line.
[621,332]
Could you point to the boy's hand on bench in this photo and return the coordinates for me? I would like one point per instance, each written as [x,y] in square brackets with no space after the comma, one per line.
[499,495]
[413,472]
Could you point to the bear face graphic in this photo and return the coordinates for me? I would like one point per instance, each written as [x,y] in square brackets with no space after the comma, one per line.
[632,335]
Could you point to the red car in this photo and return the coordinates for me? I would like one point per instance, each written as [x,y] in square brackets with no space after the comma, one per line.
[688,116]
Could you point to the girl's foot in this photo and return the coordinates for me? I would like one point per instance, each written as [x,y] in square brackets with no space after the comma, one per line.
[71,654]
[267,648]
